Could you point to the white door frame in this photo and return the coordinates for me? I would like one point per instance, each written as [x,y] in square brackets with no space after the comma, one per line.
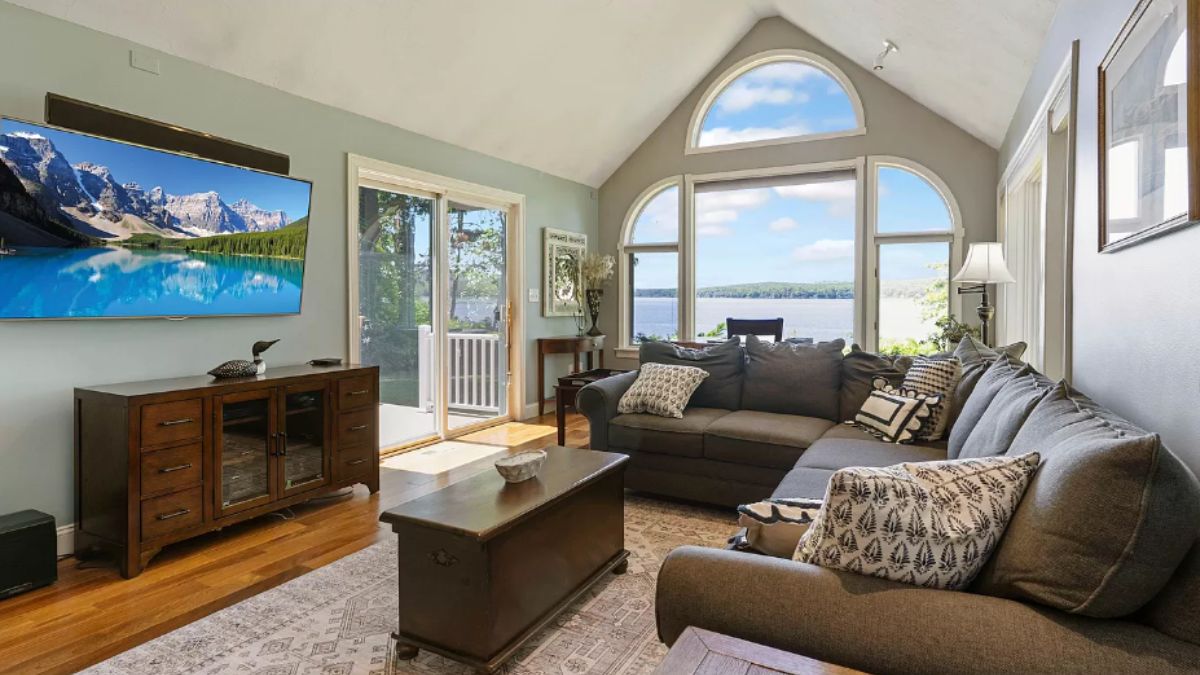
[362,170]
[1031,155]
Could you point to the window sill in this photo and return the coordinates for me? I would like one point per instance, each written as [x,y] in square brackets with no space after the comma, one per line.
[626,353]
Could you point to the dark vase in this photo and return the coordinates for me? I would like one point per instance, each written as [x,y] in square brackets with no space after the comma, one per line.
[593,303]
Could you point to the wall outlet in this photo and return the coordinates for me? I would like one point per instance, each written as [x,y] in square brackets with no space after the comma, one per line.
[535,295]
[143,61]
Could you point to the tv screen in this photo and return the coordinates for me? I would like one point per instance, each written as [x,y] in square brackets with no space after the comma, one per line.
[97,228]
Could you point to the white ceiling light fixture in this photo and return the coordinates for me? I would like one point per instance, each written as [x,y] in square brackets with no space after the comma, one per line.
[888,48]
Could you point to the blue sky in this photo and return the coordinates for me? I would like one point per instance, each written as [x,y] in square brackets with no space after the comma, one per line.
[777,100]
[794,232]
[176,174]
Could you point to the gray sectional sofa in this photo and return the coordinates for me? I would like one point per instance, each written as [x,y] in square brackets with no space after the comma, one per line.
[1098,571]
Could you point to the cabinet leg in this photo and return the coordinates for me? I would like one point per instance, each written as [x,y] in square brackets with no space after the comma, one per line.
[405,651]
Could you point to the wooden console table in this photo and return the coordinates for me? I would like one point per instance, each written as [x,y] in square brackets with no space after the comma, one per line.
[565,344]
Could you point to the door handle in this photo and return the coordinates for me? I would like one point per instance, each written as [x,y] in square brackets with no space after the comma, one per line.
[174,514]
[172,469]
[355,462]
[282,449]
[175,423]
[358,427]
[359,392]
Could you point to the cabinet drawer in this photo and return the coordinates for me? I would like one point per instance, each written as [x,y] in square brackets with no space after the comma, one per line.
[171,470]
[169,422]
[357,428]
[355,461]
[356,392]
[163,515]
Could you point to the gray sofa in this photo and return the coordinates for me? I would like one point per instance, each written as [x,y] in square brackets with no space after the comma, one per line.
[1098,571]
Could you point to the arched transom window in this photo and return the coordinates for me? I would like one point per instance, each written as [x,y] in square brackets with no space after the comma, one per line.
[776,97]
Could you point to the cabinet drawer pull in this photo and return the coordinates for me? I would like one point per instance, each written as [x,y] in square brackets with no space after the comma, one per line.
[173,469]
[358,427]
[359,392]
[175,423]
[174,514]
[355,462]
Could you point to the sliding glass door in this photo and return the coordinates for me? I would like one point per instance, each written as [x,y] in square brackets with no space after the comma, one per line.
[433,308]
[396,309]
[477,338]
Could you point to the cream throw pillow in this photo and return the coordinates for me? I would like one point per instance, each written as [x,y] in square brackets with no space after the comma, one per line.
[931,524]
[661,390]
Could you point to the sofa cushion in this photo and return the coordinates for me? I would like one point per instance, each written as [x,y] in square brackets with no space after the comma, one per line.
[1004,417]
[661,390]
[794,379]
[1105,522]
[839,453]
[803,483]
[975,358]
[934,377]
[1176,609]
[664,435]
[896,416]
[930,524]
[762,438]
[859,371]
[724,363]
[997,374]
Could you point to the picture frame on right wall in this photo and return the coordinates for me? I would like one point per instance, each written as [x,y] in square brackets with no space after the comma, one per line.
[1149,125]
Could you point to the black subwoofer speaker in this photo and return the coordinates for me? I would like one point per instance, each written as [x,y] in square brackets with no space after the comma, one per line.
[28,552]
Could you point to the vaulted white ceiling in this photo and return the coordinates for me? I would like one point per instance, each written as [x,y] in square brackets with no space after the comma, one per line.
[569,87]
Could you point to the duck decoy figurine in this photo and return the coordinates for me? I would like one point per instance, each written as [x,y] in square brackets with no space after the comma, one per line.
[243,368]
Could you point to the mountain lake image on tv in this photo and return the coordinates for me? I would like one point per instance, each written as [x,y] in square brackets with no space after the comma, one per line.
[98,228]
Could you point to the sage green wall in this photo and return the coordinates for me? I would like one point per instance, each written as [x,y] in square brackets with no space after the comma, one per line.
[896,125]
[1135,312]
[42,361]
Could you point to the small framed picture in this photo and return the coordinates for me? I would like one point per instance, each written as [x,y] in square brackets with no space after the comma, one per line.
[562,288]
[1148,144]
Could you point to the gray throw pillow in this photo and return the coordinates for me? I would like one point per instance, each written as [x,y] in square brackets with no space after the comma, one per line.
[859,371]
[975,358]
[724,363]
[1104,524]
[1003,369]
[1004,417]
[794,379]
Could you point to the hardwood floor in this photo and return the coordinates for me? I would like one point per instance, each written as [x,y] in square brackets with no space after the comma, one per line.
[93,614]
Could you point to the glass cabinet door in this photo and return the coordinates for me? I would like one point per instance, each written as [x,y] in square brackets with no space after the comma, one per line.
[304,439]
[245,443]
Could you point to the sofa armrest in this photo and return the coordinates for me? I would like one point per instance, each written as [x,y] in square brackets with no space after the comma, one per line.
[882,626]
[598,402]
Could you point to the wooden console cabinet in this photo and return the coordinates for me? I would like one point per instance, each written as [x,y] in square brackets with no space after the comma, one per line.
[162,461]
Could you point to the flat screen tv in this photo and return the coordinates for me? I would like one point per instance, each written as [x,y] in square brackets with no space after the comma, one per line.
[92,227]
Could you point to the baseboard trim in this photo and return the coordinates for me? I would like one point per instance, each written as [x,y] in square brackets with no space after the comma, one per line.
[530,411]
[66,540]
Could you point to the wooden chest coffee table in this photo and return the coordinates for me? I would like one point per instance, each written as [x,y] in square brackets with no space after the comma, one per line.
[485,564]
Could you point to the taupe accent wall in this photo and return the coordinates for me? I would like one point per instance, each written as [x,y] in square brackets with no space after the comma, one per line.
[40,361]
[1137,311]
[896,125]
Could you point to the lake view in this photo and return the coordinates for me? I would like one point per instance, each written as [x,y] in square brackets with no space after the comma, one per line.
[125,282]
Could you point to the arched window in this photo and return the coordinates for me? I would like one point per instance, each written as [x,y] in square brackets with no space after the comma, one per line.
[916,224]
[649,265]
[776,97]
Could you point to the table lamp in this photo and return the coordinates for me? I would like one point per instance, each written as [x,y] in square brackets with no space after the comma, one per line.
[984,265]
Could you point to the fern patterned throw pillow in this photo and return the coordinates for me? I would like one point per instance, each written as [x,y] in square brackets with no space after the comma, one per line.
[931,524]
[661,390]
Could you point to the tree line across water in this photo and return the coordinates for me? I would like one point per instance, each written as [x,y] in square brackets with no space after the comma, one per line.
[822,290]
[286,242]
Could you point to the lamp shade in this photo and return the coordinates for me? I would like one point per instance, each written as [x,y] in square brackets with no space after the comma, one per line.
[985,265]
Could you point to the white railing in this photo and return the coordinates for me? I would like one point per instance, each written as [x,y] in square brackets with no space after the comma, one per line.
[474,381]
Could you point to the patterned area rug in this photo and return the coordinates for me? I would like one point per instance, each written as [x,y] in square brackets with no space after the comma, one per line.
[337,620]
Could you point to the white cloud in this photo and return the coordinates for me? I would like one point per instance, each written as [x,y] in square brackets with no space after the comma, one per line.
[660,216]
[713,231]
[824,250]
[783,224]
[742,96]
[838,195]
[714,216]
[726,135]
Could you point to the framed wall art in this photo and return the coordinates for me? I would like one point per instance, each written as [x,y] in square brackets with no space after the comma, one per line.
[563,284]
[1148,127]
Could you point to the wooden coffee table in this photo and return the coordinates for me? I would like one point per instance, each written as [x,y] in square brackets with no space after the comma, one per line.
[702,651]
[484,564]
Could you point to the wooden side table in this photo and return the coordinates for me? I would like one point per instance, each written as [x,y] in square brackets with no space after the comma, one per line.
[703,651]
[565,344]
[568,388]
